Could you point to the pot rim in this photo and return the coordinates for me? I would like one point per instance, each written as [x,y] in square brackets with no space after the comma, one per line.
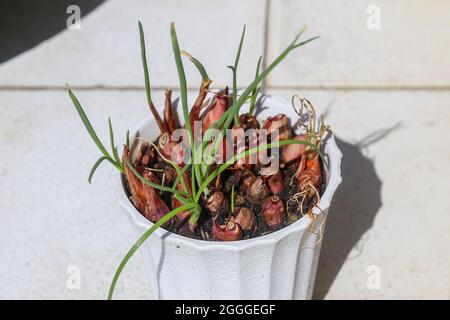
[334,179]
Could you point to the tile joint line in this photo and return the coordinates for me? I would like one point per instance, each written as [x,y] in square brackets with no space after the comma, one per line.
[267,88]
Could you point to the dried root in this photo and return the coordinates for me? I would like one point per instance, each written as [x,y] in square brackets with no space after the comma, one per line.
[320,229]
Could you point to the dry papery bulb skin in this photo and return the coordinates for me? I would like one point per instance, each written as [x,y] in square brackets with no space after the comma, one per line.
[257,190]
[294,152]
[281,123]
[311,174]
[247,179]
[144,155]
[217,202]
[155,207]
[245,218]
[169,173]
[249,121]
[276,183]
[273,212]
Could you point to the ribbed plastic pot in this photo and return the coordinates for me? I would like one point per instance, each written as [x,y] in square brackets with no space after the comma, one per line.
[279,265]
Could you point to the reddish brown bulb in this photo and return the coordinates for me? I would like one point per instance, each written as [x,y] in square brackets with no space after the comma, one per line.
[171,150]
[273,212]
[137,191]
[293,152]
[240,146]
[279,122]
[258,190]
[247,179]
[248,121]
[169,174]
[310,174]
[155,207]
[148,156]
[216,202]
[218,109]
[276,183]
[143,154]
[231,231]
[245,218]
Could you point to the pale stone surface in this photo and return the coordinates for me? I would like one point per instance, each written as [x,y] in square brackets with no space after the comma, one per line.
[391,210]
[410,49]
[106,51]
[51,217]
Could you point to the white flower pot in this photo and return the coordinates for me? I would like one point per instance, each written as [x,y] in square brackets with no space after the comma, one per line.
[280,265]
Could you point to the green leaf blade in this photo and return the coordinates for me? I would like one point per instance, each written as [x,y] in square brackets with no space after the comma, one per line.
[201,69]
[144,62]
[88,124]
[96,164]
[256,89]
[142,239]
[232,198]
[113,146]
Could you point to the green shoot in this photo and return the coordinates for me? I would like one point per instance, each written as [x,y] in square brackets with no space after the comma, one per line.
[87,124]
[152,107]
[195,216]
[144,62]
[113,145]
[115,162]
[183,92]
[234,70]
[232,198]
[182,78]
[96,164]
[201,69]
[180,175]
[206,81]
[256,90]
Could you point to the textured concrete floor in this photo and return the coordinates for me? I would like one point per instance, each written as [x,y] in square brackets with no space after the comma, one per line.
[385,95]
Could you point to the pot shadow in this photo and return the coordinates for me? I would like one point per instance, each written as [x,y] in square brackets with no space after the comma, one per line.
[25,24]
[353,210]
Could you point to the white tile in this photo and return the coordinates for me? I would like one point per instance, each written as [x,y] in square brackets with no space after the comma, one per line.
[106,51]
[391,210]
[51,217]
[392,207]
[410,49]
